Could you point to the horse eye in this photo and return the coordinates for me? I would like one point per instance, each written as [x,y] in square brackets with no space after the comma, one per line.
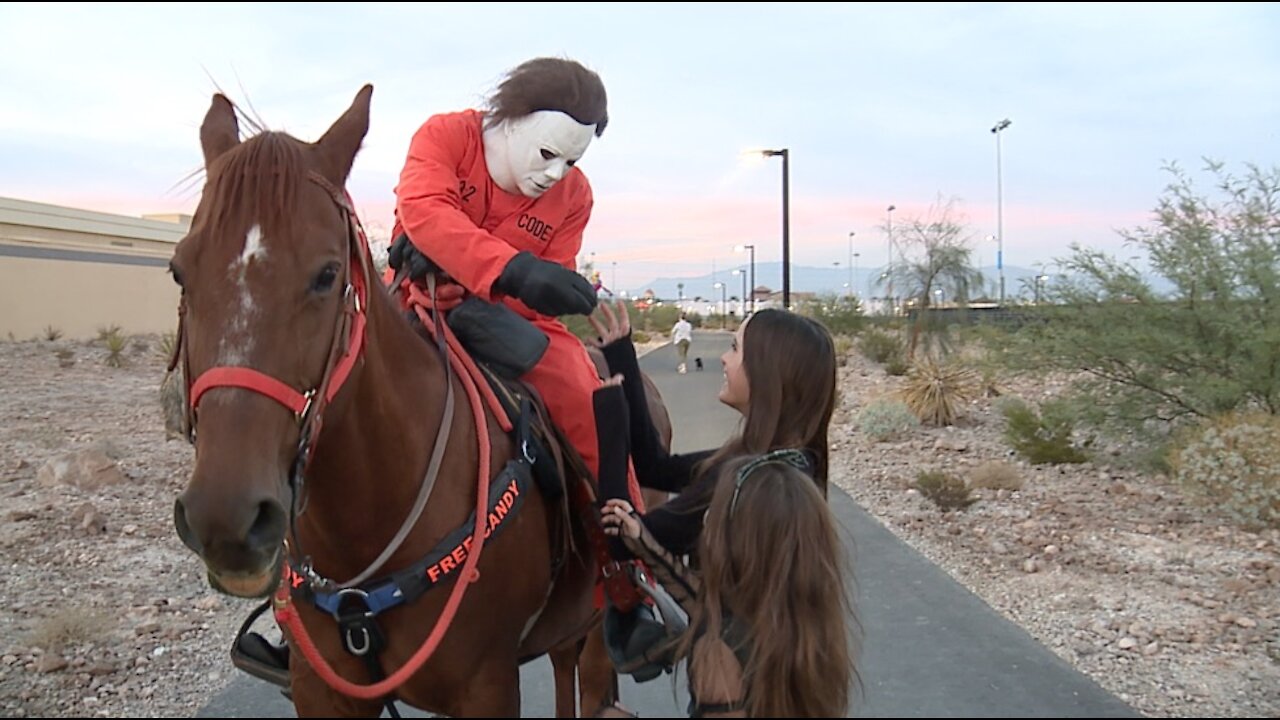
[324,281]
[177,275]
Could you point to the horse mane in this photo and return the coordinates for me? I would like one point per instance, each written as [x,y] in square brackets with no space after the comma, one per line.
[257,182]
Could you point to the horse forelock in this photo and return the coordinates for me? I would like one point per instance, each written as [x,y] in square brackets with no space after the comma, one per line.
[257,184]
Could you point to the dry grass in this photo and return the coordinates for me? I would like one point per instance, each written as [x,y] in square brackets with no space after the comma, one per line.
[70,626]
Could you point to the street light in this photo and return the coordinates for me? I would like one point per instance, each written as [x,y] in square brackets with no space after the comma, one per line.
[615,276]
[1040,280]
[752,250]
[743,297]
[724,321]
[855,272]
[888,268]
[785,154]
[1002,125]
[851,263]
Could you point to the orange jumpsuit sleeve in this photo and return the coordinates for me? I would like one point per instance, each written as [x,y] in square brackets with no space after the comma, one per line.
[429,208]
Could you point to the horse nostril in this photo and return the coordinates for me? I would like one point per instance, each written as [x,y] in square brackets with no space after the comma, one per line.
[268,527]
[183,527]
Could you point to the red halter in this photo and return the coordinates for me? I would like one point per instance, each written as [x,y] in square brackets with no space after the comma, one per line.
[348,342]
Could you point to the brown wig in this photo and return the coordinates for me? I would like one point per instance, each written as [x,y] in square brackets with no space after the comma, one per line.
[551,84]
[790,362]
[774,567]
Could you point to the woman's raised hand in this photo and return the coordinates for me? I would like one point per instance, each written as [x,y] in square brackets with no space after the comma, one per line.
[610,325]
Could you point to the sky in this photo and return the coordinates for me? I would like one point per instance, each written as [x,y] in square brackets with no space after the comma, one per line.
[877,104]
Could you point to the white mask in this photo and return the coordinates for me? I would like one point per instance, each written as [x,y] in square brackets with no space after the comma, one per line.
[528,155]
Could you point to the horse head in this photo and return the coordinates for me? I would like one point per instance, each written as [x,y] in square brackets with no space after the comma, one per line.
[272,276]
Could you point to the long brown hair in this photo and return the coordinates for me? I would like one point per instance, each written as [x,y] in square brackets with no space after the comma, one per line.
[773,565]
[790,362]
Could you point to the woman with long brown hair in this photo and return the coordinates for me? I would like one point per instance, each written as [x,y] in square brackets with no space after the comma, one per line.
[769,617]
[768,633]
[780,374]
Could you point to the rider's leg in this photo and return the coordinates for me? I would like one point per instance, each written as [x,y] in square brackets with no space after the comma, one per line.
[566,378]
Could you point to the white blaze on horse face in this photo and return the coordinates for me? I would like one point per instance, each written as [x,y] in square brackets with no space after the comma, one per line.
[237,341]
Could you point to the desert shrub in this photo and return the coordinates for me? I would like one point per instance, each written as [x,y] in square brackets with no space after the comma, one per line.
[840,314]
[168,341]
[843,346]
[885,419]
[66,357]
[1198,342]
[1003,403]
[1044,438]
[995,475]
[879,346]
[936,391]
[948,492]
[51,333]
[1233,461]
[69,626]
[115,343]
[897,366]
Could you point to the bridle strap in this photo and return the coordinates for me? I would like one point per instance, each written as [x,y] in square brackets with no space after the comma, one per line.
[250,379]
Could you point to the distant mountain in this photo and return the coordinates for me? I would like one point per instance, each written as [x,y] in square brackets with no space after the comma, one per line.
[819,280]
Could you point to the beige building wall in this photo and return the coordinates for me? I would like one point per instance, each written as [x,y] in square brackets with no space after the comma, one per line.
[77,271]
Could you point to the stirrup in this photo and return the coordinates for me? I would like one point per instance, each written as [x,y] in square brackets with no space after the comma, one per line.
[259,657]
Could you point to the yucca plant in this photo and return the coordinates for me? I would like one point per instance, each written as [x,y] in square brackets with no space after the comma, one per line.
[115,342]
[936,392]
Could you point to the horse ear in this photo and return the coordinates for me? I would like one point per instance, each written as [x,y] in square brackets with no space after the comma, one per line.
[342,141]
[219,132]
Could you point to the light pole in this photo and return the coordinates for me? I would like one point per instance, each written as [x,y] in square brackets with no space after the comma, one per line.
[995,130]
[786,222]
[888,268]
[853,288]
[615,276]
[724,321]
[852,265]
[751,249]
[743,298]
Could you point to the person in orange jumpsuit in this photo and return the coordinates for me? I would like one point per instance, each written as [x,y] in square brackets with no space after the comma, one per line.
[496,200]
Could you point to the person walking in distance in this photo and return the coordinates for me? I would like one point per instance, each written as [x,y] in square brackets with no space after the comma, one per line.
[682,336]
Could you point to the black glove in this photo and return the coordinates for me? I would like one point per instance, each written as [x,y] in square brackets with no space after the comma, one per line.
[404,253]
[546,287]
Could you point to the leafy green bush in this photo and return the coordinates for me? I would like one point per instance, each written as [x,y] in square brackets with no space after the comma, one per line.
[841,314]
[897,366]
[1233,461]
[879,346]
[886,419]
[948,492]
[1207,346]
[843,346]
[1043,439]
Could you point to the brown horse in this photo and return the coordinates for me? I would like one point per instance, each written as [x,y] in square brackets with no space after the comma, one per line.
[316,410]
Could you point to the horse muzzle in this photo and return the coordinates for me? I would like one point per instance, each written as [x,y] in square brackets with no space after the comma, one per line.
[246,585]
[243,562]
